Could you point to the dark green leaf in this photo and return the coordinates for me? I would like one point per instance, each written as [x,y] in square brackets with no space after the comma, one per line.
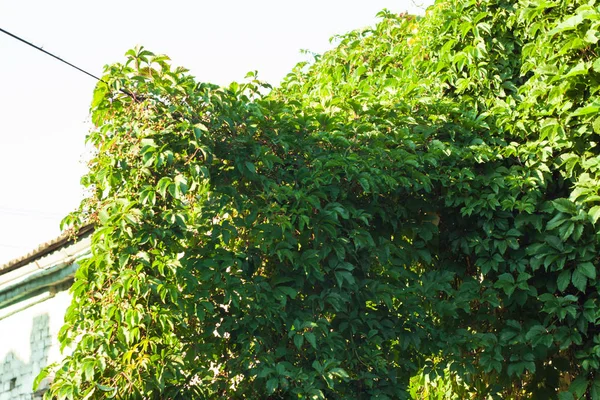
[564,279]
[579,280]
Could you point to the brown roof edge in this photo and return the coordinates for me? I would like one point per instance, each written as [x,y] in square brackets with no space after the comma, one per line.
[46,248]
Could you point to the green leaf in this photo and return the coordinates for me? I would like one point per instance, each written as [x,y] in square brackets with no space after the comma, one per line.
[364,183]
[568,24]
[100,93]
[163,185]
[579,280]
[557,221]
[181,184]
[578,232]
[564,279]
[588,269]
[596,67]
[250,167]
[340,372]
[199,130]
[578,386]
[310,337]
[565,396]
[596,124]
[506,278]
[579,69]
[89,393]
[586,110]
[103,215]
[555,242]
[290,292]
[516,368]
[105,388]
[566,230]
[298,340]
[591,36]
[39,378]
[595,389]
[535,331]
[565,206]
[342,276]
[594,213]
[272,385]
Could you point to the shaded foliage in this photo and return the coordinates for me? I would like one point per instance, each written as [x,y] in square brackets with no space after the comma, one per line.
[423,199]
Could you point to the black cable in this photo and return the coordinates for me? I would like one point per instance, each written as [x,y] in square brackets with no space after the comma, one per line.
[50,54]
[68,63]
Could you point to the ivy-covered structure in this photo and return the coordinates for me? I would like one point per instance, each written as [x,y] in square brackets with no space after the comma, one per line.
[424,198]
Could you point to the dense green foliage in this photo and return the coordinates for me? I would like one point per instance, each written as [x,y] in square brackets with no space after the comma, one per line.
[421,200]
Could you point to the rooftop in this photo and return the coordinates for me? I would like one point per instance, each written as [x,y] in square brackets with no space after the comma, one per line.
[46,248]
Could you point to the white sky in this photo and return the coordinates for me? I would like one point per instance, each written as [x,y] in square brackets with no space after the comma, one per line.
[44,103]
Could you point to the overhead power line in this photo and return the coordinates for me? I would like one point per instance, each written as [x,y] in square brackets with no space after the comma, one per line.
[50,54]
[20,39]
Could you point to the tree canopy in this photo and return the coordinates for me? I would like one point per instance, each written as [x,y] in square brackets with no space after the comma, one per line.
[418,205]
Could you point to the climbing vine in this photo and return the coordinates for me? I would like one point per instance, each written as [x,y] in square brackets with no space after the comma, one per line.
[419,204]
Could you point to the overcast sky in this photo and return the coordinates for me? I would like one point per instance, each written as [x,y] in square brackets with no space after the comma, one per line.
[44,104]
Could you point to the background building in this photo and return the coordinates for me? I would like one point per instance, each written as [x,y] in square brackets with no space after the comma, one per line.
[34,295]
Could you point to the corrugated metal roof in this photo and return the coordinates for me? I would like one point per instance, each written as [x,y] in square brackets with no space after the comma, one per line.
[45,249]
